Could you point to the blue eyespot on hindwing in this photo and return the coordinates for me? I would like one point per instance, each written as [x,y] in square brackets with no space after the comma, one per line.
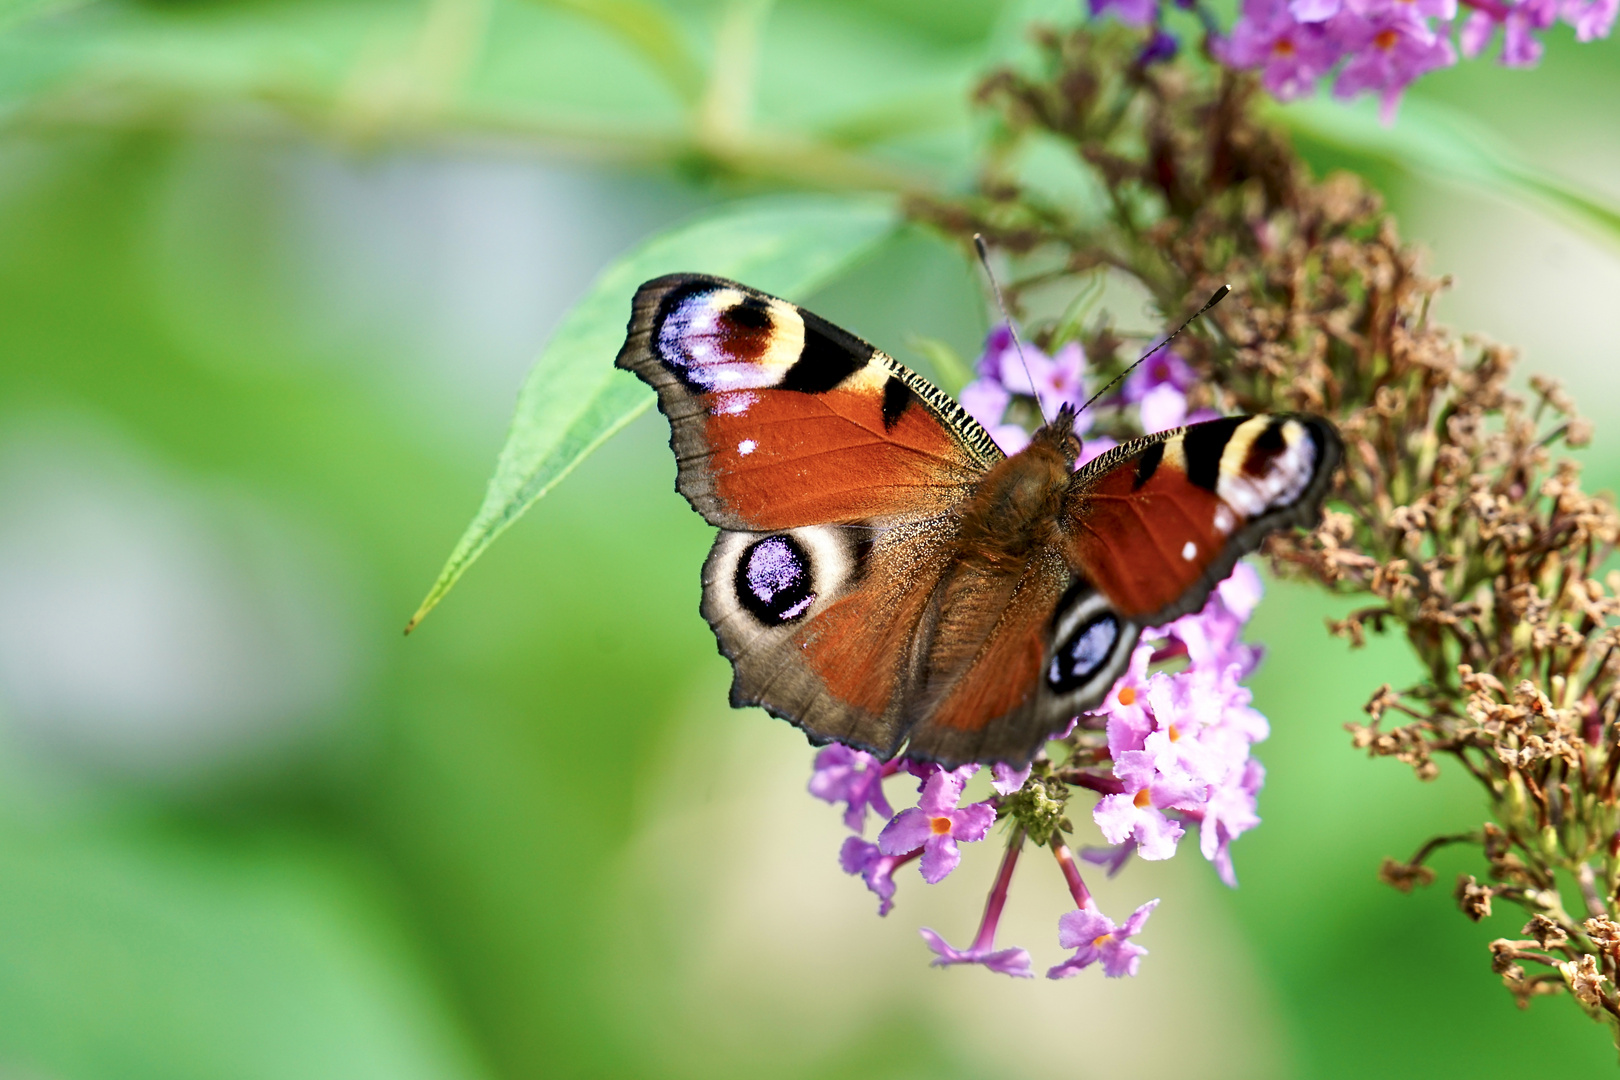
[773,580]
[1085,652]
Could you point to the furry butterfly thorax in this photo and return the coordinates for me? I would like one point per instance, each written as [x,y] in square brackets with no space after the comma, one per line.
[885,577]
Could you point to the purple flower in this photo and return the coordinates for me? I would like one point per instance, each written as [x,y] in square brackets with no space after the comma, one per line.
[1161,369]
[1112,859]
[1129,12]
[1162,408]
[1053,380]
[1008,779]
[1094,937]
[1211,639]
[1292,54]
[1014,962]
[1138,813]
[1180,743]
[1592,19]
[1092,448]
[986,400]
[1229,813]
[935,824]
[1160,47]
[1005,372]
[1477,31]
[983,950]
[1126,705]
[852,777]
[876,869]
[1312,11]
[1388,50]
[1520,46]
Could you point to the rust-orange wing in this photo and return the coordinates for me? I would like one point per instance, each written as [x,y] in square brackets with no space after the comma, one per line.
[779,419]
[1156,523]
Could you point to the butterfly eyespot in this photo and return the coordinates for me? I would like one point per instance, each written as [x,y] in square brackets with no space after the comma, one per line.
[1084,653]
[774,580]
[722,340]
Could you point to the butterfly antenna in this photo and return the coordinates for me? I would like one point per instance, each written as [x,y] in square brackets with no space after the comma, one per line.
[1220,294]
[984,261]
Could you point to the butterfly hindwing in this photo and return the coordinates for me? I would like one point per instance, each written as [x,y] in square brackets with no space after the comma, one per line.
[820,623]
[779,419]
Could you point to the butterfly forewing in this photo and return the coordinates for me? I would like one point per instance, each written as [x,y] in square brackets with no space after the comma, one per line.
[779,419]
[1158,522]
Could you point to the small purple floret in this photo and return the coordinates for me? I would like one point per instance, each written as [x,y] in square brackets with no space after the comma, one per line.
[1129,12]
[852,777]
[936,824]
[1094,937]
[876,869]
[1014,962]
[1007,779]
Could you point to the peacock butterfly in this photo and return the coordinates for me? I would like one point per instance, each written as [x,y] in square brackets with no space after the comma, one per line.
[885,576]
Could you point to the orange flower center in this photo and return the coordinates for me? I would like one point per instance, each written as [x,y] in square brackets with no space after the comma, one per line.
[1143,799]
[1283,47]
[1127,695]
[1386,39]
[941,826]
[1100,940]
[1175,735]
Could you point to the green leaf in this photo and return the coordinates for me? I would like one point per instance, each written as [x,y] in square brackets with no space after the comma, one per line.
[574,398]
[1437,142]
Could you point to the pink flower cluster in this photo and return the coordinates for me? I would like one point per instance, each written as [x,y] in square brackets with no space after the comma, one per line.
[1377,46]
[1180,743]
[929,833]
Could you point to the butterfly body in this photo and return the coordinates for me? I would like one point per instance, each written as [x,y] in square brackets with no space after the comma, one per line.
[885,577]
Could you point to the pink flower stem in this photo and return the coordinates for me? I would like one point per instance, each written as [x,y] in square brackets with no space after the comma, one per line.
[1071,873]
[892,766]
[998,895]
[897,861]
[1103,785]
[1497,11]
[1168,651]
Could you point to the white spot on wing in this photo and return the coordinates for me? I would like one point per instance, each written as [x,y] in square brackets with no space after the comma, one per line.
[1189,551]
[746,447]
[734,403]
[1224,520]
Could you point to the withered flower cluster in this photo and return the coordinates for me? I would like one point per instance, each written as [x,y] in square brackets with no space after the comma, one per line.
[1452,516]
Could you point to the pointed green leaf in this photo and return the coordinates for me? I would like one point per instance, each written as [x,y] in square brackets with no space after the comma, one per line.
[574,398]
[1435,141]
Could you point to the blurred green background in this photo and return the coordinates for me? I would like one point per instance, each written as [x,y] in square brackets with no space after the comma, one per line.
[270,275]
